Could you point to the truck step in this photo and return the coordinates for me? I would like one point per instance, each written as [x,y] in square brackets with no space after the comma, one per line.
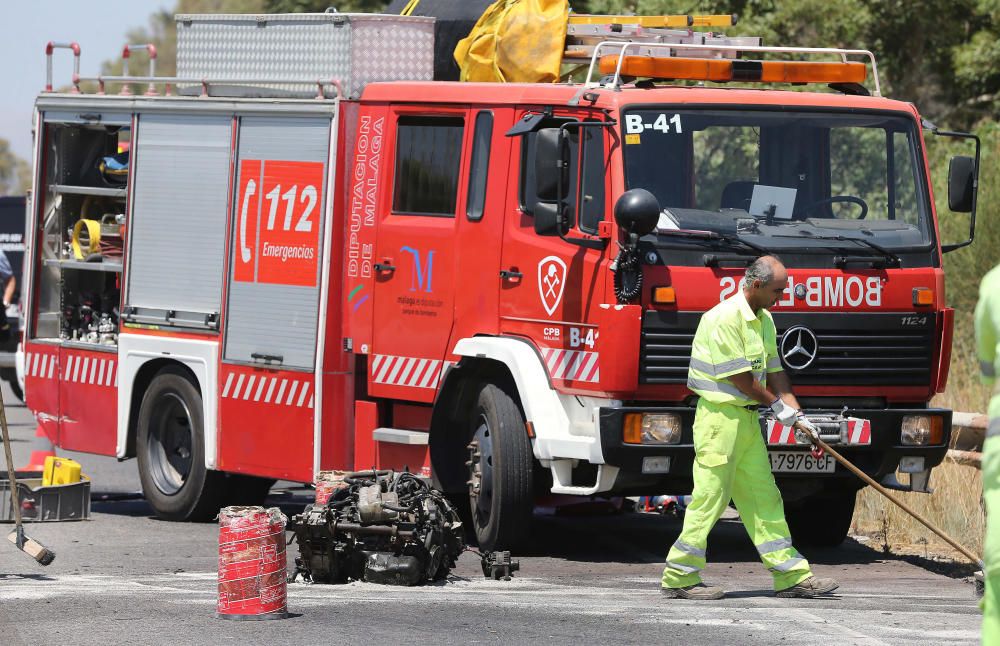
[399,436]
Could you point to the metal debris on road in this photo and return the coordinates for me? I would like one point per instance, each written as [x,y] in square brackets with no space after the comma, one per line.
[382,527]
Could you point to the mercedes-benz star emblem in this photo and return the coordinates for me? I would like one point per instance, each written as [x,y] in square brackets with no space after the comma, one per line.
[799,347]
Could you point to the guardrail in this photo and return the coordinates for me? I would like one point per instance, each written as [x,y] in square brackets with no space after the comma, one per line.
[968,431]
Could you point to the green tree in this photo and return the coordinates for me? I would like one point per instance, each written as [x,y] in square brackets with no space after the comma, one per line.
[977,63]
[15,173]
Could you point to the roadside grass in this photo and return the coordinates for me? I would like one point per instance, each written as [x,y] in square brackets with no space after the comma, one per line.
[955,504]
[954,507]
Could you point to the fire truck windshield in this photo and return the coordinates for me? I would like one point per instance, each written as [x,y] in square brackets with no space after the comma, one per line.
[775,172]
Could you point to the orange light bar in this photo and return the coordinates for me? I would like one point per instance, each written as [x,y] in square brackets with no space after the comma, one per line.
[722,70]
[664,295]
[706,69]
[923,296]
[812,72]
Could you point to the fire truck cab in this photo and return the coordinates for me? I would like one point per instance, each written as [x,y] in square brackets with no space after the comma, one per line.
[496,285]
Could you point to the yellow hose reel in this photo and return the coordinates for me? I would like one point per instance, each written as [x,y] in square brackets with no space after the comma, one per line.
[92,238]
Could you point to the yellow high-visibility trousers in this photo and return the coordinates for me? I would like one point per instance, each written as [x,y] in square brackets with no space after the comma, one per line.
[991,553]
[731,463]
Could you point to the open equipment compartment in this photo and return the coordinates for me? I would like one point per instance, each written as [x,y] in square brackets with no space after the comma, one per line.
[83,228]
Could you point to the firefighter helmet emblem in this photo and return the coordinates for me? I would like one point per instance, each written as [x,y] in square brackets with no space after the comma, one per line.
[799,347]
[551,281]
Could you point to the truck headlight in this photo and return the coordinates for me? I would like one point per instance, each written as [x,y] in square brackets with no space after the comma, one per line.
[920,430]
[652,428]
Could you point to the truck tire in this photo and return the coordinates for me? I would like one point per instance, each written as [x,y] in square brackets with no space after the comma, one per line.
[822,520]
[500,471]
[170,447]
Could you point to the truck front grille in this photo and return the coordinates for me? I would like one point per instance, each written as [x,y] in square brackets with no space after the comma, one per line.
[851,349]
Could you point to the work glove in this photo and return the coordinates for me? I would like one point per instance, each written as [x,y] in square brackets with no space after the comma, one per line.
[802,422]
[806,432]
[784,413]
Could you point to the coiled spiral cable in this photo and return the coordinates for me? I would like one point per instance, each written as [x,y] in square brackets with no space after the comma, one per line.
[628,274]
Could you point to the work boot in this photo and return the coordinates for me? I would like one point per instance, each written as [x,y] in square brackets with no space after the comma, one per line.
[698,591]
[811,587]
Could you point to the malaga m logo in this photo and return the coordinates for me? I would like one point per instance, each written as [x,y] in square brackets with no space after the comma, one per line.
[422,273]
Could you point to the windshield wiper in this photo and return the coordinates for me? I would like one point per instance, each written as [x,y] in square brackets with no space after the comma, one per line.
[889,258]
[711,259]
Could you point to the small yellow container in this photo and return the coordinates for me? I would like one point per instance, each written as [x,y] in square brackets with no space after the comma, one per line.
[60,471]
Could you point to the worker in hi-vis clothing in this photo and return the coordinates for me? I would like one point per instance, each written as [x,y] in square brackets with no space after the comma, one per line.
[735,370]
[987,340]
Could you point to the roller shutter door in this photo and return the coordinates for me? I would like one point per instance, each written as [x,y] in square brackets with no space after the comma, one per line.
[276,242]
[178,226]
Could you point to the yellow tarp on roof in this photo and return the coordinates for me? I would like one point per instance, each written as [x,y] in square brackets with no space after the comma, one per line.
[515,41]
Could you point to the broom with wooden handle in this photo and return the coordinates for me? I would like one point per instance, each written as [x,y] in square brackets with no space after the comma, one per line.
[29,546]
[814,438]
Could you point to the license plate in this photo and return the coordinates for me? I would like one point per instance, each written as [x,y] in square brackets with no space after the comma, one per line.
[800,462]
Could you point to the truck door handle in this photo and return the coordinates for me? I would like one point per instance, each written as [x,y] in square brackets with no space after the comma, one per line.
[384,266]
[511,274]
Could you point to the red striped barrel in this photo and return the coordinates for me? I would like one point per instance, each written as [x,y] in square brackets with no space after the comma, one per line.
[252,564]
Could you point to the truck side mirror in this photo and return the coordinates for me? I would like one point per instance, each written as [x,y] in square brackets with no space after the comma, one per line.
[961,171]
[963,183]
[637,211]
[551,219]
[551,164]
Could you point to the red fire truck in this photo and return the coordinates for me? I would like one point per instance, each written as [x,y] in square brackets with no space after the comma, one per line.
[248,274]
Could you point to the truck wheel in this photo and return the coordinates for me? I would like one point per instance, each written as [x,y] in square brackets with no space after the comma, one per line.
[823,520]
[171,450]
[500,471]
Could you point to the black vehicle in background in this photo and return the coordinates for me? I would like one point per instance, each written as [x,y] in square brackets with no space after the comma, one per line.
[12,221]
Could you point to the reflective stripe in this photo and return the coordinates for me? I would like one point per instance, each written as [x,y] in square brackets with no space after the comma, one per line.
[774,546]
[686,569]
[758,375]
[785,566]
[689,549]
[987,369]
[993,430]
[716,387]
[774,362]
[718,368]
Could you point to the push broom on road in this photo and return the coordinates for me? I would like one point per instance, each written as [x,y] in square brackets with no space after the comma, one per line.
[814,438]
[29,546]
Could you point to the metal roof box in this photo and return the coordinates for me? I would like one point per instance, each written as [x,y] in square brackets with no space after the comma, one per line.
[355,49]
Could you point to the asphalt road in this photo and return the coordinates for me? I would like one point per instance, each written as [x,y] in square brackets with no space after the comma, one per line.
[124,577]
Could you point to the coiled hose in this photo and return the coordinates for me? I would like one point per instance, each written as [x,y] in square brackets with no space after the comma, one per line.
[628,275]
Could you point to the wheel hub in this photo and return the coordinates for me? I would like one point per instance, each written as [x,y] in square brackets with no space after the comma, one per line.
[170,448]
[480,465]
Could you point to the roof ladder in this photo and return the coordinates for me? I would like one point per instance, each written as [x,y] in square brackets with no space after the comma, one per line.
[636,46]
